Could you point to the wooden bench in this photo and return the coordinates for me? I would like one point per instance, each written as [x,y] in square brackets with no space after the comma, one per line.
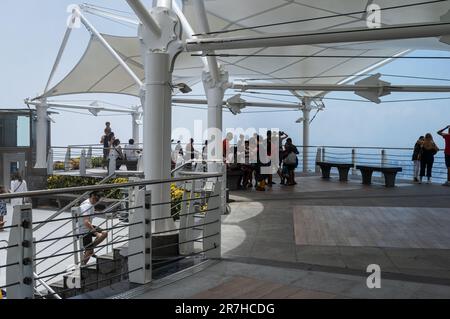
[343,169]
[131,165]
[389,172]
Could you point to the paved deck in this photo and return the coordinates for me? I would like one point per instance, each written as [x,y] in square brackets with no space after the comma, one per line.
[316,240]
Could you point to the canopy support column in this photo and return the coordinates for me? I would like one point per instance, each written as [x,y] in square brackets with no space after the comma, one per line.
[135,127]
[41,135]
[215,83]
[306,115]
[157,122]
[160,34]
[215,92]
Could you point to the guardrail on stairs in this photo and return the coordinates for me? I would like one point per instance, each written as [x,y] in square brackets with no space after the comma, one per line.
[134,251]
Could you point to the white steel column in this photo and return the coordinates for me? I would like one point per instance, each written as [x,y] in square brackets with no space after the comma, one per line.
[306,112]
[160,35]
[41,135]
[135,127]
[215,91]
[164,3]
[157,121]
[215,83]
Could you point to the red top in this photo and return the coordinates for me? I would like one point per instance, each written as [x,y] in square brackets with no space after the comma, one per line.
[225,145]
[447,144]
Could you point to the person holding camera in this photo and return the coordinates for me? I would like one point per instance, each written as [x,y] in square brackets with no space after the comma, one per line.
[446,137]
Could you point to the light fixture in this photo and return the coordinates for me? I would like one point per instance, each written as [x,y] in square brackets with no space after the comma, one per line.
[94,111]
[300,120]
[183,87]
[235,104]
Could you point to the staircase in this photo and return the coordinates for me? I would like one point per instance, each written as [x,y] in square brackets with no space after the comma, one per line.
[106,269]
[110,269]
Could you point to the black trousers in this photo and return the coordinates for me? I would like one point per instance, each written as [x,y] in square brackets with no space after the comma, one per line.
[426,163]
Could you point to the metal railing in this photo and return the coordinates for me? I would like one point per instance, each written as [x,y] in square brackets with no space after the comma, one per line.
[382,156]
[37,275]
[89,157]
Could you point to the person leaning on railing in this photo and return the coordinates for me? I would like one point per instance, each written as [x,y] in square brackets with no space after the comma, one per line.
[446,137]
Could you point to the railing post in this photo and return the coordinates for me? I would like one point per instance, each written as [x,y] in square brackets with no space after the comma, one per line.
[223,192]
[323,154]
[211,231]
[353,161]
[140,164]
[318,159]
[89,158]
[83,163]
[22,273]
[50,162]
[187,220]
[383,158]
[76,241]
[112,165]
[67,160]
[140,249]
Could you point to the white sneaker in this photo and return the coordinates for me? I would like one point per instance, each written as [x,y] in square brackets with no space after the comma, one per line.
[447,183]
[420,180]
[429,180]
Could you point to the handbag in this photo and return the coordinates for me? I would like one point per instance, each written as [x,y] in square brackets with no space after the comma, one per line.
[291,159]
[25,200]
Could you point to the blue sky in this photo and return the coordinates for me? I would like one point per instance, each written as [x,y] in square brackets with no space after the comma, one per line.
[32,30]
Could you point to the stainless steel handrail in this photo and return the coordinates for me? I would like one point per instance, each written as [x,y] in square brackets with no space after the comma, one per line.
[72,203]
[103,187]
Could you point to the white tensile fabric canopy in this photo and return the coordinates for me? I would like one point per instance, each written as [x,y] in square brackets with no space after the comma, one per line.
[98,72]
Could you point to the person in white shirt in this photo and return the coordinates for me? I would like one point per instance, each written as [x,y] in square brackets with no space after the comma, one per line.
[178,148]
[18,185]
[87,230]
[131,151]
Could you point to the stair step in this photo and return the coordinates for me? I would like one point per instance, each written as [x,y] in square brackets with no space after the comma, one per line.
[61,289]
[107,264]
[89,277]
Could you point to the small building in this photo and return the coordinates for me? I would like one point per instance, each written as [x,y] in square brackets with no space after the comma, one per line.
[18,146]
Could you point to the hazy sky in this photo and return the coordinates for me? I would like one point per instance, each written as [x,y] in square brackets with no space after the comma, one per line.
[31,32]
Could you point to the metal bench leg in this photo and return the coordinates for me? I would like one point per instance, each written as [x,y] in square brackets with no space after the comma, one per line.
[366,176]
[343,173]
[325,171]
[389,178]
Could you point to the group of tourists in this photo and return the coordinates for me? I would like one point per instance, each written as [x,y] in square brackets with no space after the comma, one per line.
[253,157]
[425,150]
[112,149]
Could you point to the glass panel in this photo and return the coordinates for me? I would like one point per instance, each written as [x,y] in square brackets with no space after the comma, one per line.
[23,131]
[14,167]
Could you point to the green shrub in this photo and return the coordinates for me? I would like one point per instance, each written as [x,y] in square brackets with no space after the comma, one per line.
[58,166]
[97,161]
[65,181]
